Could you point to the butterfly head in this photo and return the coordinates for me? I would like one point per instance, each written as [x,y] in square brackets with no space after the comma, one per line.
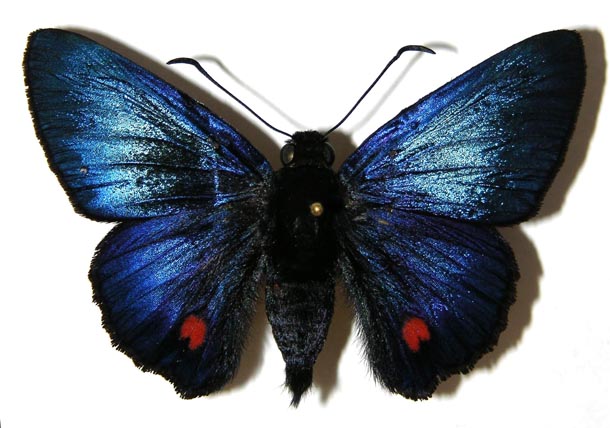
[307,148]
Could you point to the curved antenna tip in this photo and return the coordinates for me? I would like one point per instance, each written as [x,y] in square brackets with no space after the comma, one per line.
[181,60]
[416,48]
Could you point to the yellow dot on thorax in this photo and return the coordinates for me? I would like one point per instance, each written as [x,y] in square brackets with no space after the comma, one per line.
[316,209]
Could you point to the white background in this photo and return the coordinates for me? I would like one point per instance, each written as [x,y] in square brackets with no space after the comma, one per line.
[552,365]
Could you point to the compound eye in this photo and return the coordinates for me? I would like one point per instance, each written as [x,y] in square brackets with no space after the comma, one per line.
[329,154]
[287,154]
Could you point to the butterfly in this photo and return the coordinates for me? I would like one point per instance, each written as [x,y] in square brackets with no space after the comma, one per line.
[407,224]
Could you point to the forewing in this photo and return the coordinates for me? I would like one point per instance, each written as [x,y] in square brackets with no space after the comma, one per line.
[177,292]
[126,144]
[431,294]
[485,146]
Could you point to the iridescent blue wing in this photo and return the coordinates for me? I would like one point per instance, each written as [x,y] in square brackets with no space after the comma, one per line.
[430,278]
[177,292]
[431,295]
[124,143]
[485,146]
[177,278]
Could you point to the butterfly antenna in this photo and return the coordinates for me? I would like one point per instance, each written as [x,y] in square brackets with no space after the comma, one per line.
[203,71]
[416,48]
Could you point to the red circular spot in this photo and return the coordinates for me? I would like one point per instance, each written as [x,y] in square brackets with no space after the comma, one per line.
[194,329]
[415,331]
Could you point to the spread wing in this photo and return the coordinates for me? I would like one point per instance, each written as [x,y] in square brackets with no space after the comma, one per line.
[431,295]
[485,146]
[126,144]
[430,278]
[177,293]
[177,278]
